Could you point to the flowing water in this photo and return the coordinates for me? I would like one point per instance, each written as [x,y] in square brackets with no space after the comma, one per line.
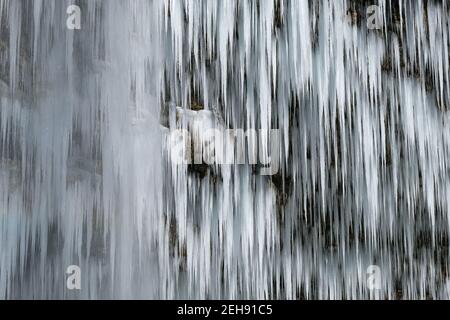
[362,180]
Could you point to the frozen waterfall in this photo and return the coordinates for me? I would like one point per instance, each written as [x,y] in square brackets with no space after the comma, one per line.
[360,178]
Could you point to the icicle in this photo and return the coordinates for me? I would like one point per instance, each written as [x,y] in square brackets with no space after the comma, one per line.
[88,124]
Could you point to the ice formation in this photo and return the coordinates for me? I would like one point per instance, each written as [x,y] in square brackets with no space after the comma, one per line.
[86,176]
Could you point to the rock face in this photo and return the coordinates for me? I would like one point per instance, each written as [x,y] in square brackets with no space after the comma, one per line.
[361,105]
